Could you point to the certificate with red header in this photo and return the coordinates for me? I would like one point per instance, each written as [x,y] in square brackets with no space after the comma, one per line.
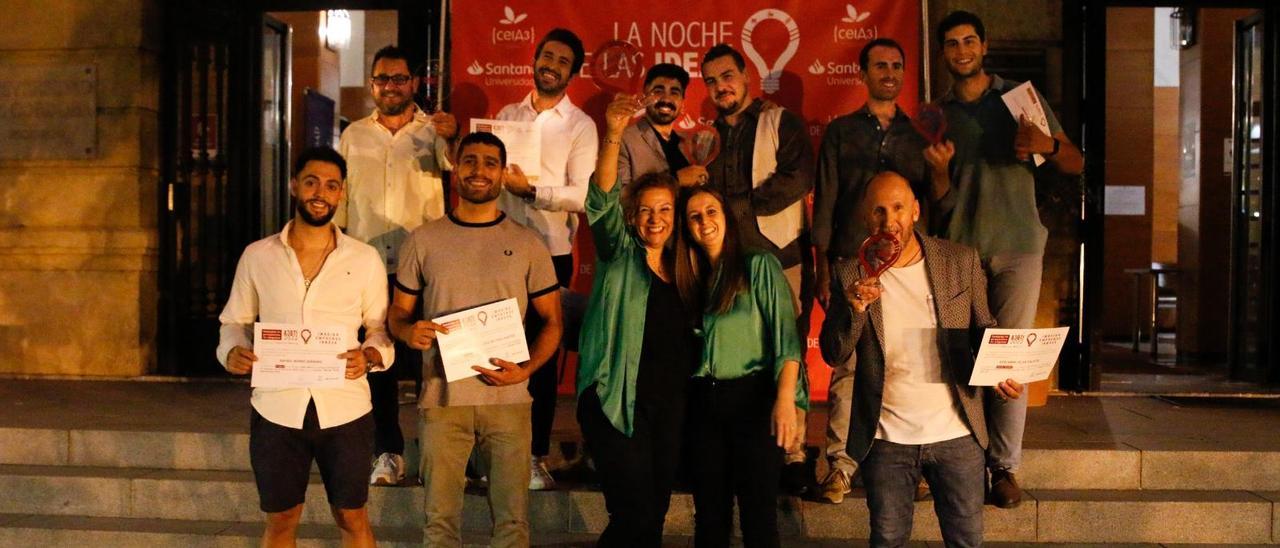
[299,356]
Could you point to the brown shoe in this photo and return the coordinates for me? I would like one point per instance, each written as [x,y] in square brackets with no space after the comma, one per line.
[835,487]
[1005,492]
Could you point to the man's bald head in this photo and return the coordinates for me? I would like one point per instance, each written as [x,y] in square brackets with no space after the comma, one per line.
[889,205]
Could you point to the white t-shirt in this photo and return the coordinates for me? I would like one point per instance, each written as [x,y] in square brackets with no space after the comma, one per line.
[917,406]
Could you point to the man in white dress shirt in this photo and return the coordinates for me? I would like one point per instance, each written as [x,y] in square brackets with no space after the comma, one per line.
[550,205]
[311,274]
[395,158]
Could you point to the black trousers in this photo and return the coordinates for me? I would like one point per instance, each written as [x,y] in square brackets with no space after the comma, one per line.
[636,473]
[385,397]
[734,456]
[543,383]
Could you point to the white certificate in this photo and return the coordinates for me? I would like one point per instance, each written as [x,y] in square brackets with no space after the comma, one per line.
[299,356]
[523,141]
[1023,101]
[1024,355]
[494,330]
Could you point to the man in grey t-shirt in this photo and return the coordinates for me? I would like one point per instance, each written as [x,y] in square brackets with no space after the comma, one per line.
[475,256]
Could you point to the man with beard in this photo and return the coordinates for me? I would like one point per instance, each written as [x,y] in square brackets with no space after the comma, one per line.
[311,272]
[875,138]
[650,145]
[396,156]
[765,171]
[550,206]
[991,205]
[475,256]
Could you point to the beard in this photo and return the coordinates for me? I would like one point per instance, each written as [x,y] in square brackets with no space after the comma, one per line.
[733,107]
[388,108]
[659,118]
[307,217]
[550,89]
[475,196]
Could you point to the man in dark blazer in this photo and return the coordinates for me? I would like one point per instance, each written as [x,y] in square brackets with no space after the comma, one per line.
[915,328]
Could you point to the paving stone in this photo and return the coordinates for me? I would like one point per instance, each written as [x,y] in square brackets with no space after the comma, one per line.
[171,450]
[33,446]
[1081,466]
[1153,516]
[63,490]
[1211,470]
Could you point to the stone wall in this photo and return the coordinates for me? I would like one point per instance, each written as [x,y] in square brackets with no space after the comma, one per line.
[78,237]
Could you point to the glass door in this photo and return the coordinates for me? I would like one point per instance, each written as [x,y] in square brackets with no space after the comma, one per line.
[1250,287]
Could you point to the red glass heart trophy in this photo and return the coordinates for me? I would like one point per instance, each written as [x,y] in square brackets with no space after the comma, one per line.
[700,143]
[618,67]
[931,123]
[878,253]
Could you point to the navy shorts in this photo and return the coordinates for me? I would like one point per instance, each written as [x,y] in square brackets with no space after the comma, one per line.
[281,459]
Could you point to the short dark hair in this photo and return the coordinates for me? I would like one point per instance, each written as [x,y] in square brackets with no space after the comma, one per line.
[389,51]
[568,38]
[667,70]
[720,50]
[484,138]
[864,55]
[319,154]
[957,18]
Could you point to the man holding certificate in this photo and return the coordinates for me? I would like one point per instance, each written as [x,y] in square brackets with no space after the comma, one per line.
[475,273]
[912,314]
[991,206]
[312,288]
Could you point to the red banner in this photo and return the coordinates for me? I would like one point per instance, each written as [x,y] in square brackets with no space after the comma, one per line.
[809,49]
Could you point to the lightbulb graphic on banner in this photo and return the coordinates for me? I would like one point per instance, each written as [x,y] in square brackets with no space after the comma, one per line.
[770,72]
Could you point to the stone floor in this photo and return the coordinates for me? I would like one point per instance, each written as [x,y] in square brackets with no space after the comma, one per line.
[223,406]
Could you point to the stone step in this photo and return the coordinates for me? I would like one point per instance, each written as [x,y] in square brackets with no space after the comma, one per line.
[1099,516]
[1189,465]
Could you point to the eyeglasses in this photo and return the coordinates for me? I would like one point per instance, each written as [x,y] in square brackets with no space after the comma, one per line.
[399,79]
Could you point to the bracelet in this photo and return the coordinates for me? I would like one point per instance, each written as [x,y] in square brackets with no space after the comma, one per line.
[1056,145]
[612,141]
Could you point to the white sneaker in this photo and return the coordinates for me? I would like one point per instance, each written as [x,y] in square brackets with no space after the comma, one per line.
[388,469]
[539,478]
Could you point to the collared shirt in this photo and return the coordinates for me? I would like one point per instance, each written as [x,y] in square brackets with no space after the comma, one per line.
[394,181]
[730,174]
[671,151]
[758,334]
[349,291]
[854,149]
[992,202]
[569,150]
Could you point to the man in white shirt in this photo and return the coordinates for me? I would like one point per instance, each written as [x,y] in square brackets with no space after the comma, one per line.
[550,205]
[914,413]
[311,274]
[395,156]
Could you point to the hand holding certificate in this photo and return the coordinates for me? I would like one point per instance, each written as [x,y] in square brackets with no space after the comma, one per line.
[1024,103]
[1024,355]
[479,334]
[522,139]
[298,356]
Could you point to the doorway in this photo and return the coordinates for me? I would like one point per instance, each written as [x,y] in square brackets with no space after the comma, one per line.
[1177,276]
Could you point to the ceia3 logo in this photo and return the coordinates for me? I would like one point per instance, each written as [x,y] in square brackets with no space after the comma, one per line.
[506,33]
[852,27]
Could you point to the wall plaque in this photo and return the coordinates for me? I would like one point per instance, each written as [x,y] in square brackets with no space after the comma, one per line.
[48,111]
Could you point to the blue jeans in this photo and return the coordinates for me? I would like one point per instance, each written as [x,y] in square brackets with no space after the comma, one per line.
[956,473]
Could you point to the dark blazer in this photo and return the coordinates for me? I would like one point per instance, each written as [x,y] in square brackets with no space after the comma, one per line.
[959,288]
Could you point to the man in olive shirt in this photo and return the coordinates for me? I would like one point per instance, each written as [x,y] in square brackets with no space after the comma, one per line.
[991,206]
[877,137]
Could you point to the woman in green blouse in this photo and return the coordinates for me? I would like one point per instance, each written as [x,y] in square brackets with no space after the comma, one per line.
[747,386]
[637,349]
